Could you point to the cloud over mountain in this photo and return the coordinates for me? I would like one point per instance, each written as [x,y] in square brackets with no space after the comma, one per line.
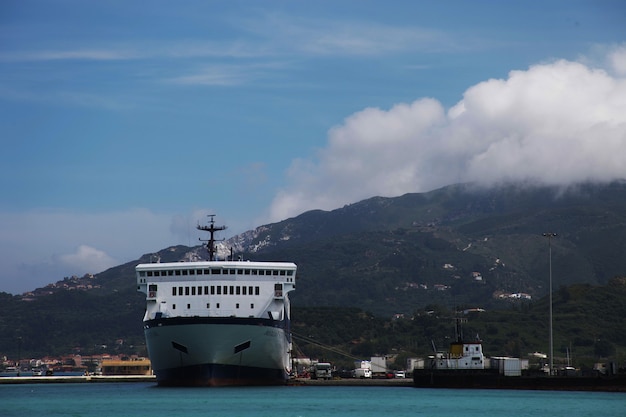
[87,258]
[555,123]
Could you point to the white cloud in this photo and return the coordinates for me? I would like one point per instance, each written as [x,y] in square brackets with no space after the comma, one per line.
[280,33]
[556,123]
[43,246]
[264,35]
[617,60]
[86,258]
[228,75]
[68,54]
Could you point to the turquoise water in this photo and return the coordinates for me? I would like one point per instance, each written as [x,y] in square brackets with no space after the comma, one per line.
[145,399]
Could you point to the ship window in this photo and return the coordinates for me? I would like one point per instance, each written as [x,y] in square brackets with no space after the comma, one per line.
[217,305]
[466,348]
[251,305]
[255,272]
[185,272]
[250,290]
[232,290]
[282,273]
[188,306]
[237,305]
[173,306]
[170,272]
[256,291]
[152,287]
[225,290]
[193,290]
[246,272]
[240,271]
[180,290]
[233,272]
[216,271]
[192,272]
[173,290]
[276,272]
[177,272]
[244,290]
[212,289]
[219,289]
[149,273]
[208,305]
[206,290]
[238,290]
[186,290]
[289,273]
[142,273]
[207,272]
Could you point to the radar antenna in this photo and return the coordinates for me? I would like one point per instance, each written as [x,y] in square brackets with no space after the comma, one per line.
[210,242]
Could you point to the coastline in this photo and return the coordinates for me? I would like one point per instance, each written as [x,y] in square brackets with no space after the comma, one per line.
[75,379]
[351,382]
[557,384]
[398,382]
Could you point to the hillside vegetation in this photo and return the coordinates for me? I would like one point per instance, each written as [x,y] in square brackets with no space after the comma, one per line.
[419,256]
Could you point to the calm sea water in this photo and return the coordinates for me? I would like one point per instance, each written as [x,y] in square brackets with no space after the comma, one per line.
[145,399]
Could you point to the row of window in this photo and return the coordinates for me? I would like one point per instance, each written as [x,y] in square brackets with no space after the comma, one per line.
[208,306]
[216,290]
[216,271]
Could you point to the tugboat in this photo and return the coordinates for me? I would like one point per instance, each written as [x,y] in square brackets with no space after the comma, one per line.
[465,366]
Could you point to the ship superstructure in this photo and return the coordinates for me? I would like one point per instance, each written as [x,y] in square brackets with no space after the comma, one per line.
[461,355]
[218,322]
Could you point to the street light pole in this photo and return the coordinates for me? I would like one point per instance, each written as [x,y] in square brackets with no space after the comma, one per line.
[550,236]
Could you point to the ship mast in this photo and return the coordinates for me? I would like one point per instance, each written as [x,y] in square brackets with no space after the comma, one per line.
[211,228]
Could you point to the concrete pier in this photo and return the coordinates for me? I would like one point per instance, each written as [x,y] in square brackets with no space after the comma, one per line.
[75,379]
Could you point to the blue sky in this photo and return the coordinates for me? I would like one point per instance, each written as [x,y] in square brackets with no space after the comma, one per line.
[125,122]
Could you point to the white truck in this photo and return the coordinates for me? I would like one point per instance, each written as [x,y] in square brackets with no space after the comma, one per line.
[322,370]
[363,369]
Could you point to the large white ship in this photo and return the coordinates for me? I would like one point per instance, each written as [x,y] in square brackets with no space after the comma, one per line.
[218,322]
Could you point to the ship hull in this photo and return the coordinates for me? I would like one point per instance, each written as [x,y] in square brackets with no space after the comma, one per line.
[199,351]
[487,379]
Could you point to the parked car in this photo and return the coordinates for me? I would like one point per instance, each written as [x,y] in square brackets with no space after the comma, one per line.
[400,374]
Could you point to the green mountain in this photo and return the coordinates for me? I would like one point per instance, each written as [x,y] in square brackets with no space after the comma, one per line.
[456,245]
[455,248]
